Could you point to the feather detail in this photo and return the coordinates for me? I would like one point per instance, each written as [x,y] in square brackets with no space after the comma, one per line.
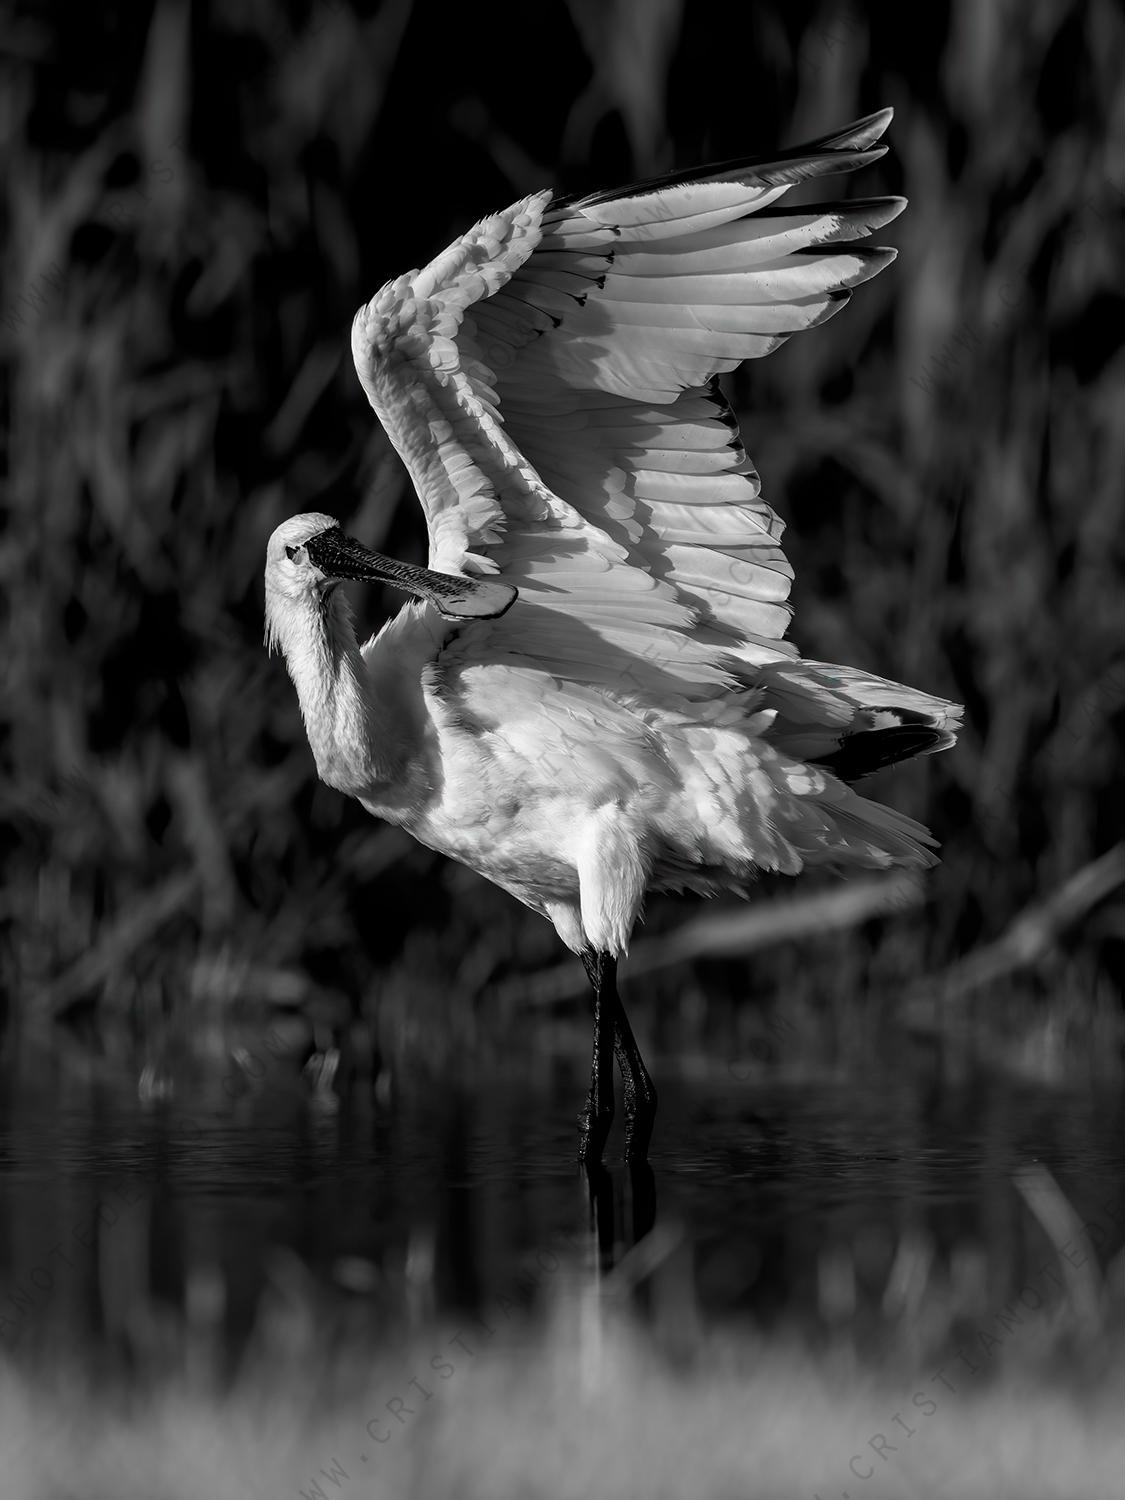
[551,381]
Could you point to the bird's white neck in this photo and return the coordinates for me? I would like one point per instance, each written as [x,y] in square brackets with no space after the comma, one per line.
[363,726]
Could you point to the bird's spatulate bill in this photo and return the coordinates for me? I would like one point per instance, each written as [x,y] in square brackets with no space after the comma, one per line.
[341,556]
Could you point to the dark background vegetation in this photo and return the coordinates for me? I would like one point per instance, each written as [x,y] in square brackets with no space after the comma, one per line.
[197,197]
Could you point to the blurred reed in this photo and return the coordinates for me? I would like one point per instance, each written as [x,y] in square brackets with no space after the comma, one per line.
[193,213]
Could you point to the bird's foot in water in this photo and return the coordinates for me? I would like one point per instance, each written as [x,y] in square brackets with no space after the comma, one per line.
[638,1133]
[640,1111]
[593,1131]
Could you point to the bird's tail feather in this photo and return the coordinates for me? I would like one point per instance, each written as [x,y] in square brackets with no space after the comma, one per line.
[784,814]
[849,720]
[882,835]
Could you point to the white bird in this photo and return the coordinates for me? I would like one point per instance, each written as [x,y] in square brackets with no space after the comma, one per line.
[592,696]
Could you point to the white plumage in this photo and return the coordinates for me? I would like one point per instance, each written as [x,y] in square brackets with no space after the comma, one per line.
[636,720]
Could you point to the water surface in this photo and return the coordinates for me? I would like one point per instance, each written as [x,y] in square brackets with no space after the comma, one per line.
[808,1203]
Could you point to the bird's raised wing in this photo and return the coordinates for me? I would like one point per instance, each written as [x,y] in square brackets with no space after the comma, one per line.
[550,381]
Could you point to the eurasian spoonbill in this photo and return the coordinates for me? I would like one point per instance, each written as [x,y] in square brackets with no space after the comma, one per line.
[591,696]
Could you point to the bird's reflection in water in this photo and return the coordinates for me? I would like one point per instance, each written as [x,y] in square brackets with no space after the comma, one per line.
[639,1208]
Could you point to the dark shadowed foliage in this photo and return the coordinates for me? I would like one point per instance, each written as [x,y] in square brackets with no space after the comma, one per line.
[196,200]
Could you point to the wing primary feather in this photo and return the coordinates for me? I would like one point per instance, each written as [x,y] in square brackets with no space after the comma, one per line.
[842,151]
[553,382]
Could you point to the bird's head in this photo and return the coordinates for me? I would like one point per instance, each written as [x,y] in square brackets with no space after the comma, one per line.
[308,555]
[294,575]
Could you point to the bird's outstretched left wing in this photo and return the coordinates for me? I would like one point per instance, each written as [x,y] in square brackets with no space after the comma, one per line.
[551,382]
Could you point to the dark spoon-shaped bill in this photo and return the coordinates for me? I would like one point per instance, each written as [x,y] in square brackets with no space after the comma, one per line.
[341,556]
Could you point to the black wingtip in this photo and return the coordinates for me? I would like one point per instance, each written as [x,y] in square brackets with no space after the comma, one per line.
[871,750]
[856,145]
[857,136]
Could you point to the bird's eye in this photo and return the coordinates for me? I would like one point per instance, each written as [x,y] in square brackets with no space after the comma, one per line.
[291,552]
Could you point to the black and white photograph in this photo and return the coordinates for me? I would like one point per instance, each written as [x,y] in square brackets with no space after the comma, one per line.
[562,750]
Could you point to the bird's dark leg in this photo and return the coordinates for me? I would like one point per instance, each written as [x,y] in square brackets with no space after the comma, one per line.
[597,1117]
[639,1090]
[640,1093]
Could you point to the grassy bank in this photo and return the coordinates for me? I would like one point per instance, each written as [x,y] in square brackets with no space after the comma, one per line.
[584,1405]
